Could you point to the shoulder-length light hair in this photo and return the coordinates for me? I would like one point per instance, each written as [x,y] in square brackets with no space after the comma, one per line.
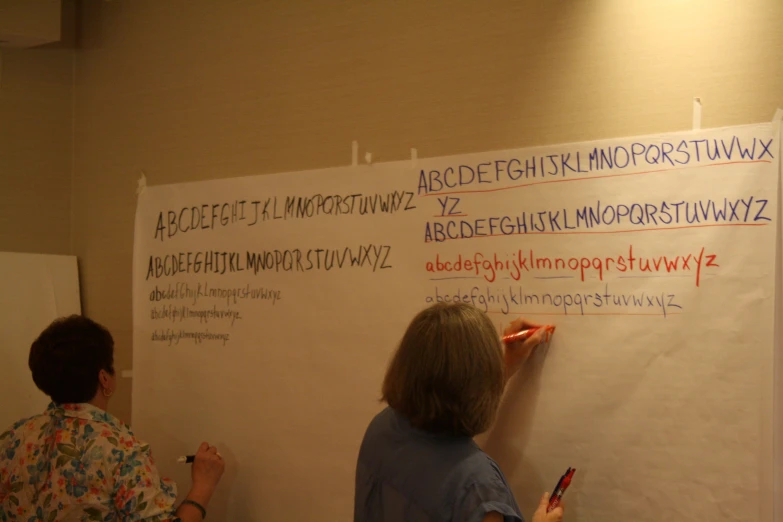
[447,375]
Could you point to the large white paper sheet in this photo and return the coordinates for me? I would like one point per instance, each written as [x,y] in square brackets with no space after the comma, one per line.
[36,289]
[266,308]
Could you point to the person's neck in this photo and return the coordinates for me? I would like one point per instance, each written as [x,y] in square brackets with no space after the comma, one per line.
[99,401]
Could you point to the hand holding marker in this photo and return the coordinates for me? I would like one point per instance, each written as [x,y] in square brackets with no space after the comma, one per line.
[205,473]
[188,459]
[525,334]
[562,485]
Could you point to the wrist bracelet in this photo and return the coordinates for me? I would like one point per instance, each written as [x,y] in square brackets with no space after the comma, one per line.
[197,506]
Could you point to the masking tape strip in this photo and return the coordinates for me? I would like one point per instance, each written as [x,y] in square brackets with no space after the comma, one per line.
[696,113]
[142,185]
[354,153]
[414,159]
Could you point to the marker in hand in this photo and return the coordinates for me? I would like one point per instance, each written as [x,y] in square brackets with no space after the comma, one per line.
[526,334]
[560,489]
[188,459]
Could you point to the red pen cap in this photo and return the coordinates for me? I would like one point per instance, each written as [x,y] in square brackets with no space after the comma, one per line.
[567,480]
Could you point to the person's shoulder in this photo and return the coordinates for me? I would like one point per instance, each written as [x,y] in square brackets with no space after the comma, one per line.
[385,416]
[17,438]
[476,460]
[107,425]
[121,439]
[115,437]
[480,487]
[28,423]
[380,423]
[378,435]
[479,468]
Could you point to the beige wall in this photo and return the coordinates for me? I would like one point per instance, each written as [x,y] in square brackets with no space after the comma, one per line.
[26,23]
[36,153]
[191,90]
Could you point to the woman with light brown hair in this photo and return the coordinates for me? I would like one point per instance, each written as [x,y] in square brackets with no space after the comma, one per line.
[418,461]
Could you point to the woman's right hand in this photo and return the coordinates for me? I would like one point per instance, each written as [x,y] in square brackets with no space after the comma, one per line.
[518,352]
[207,469]
[556,515]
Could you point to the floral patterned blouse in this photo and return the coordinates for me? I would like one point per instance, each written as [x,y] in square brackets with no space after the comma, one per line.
[75,462]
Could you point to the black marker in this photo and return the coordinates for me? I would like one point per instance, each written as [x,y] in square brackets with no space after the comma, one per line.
[188,459]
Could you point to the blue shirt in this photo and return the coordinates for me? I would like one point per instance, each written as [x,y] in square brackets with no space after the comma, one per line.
[407,475]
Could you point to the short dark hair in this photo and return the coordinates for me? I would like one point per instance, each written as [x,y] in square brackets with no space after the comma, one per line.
[447,375]
[68,356]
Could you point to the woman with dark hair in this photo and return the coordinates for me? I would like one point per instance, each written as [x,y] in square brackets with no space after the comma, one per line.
[418,461]
[77,462]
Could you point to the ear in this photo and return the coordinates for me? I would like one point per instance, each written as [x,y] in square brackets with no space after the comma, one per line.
[104,378]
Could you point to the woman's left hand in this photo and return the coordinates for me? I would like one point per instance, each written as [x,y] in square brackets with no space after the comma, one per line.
[518,352]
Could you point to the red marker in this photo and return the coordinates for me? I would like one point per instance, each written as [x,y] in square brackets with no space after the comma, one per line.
[560,489]
[525,334]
